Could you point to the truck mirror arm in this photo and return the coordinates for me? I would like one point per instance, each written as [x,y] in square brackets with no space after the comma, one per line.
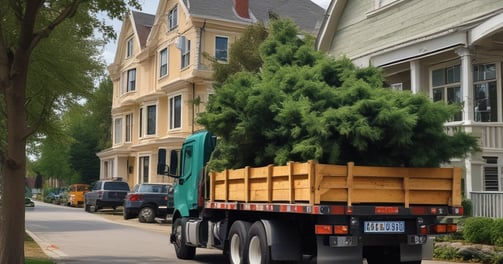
[167,172]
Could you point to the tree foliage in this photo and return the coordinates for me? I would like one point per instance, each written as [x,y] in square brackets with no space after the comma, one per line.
[243,54]
[303,105]
[41,42]
[70,154]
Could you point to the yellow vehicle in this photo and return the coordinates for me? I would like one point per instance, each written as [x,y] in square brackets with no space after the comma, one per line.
[76,194]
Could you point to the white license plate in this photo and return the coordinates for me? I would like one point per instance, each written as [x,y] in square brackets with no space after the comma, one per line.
[384,226]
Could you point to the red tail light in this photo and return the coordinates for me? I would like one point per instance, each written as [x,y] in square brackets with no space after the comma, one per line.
[423,230]
[341,229]
[439,229]
[452,228]
[135,197]
[323,229]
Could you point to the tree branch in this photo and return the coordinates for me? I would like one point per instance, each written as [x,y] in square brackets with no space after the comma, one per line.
[68,12]
[43,115]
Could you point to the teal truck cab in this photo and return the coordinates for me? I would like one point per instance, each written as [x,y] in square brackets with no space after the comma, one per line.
[307,212]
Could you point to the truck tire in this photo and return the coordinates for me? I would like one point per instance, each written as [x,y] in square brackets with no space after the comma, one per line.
[258,250]
[146,215]
[182,250]
[237,242]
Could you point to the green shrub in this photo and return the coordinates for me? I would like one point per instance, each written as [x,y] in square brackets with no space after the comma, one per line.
[467,207]
[478,230]
[497,232]
[446,253]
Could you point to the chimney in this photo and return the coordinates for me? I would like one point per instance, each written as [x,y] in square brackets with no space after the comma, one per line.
[241,7]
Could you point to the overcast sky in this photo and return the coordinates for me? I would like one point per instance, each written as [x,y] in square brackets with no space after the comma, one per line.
[150,7]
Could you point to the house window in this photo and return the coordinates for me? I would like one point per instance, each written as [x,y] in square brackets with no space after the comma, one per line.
[163,62]
[491,182]
[173,18]
[151,119]
[221,48]
[118,131]
[485,93]
[108,168]
[129,127]
[130,79]
[129,48]
[144,169]
[140,119]
[175,112]
[446,86]
[185,50]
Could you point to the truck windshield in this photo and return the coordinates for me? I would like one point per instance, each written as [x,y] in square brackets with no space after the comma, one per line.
[116,186]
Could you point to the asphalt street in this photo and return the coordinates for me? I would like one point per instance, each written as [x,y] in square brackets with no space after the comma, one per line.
[70,235]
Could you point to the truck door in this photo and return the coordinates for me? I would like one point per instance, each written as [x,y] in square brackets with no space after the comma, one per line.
[185,195]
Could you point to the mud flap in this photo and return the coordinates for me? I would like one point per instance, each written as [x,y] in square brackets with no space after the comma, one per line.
[339,255]
[410,252]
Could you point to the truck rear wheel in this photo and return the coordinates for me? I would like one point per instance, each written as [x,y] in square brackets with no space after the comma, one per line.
[258,250]
[182,250]
[237,242]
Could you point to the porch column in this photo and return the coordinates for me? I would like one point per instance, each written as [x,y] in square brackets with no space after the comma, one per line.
[468,108]
[415,76]
[466,84]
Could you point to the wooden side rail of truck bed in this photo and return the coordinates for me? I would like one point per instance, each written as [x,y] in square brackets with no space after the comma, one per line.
[315,183]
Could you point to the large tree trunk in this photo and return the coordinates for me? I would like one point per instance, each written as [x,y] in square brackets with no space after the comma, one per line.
[14,170]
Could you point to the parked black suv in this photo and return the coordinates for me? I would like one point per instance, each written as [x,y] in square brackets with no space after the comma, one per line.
[105,194]
[148,201]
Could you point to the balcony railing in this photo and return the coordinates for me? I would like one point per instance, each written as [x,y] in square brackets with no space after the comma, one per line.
[490,134]
[488,204]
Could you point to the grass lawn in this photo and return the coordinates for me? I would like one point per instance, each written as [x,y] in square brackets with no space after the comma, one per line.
[33,254]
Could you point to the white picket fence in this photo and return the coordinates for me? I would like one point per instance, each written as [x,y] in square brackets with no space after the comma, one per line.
[489,204]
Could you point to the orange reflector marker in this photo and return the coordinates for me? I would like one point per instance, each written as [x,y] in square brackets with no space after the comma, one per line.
[452,228]
[386,210]
[349,210]
[323,229]
[440,228]
[433,211]
[341,229]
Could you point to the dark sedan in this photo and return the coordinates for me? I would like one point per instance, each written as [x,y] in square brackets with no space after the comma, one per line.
[148,201]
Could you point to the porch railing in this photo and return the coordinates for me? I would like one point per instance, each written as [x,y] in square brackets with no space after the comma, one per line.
[490,135]
[488,204]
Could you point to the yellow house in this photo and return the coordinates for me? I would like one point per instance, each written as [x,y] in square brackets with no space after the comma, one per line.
[161,80]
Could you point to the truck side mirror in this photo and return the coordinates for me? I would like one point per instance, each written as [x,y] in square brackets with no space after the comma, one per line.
[161,162]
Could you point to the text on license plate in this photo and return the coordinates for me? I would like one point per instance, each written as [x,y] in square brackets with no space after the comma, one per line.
[384,226]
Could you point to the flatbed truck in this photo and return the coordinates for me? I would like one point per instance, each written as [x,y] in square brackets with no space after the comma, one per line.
[306,211]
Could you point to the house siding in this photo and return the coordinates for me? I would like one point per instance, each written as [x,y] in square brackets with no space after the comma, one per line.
[356,31]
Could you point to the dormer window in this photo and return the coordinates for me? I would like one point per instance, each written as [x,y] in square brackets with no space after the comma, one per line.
[129,48]
[173,18]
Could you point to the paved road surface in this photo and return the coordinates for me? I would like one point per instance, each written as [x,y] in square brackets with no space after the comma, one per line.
[70,235]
